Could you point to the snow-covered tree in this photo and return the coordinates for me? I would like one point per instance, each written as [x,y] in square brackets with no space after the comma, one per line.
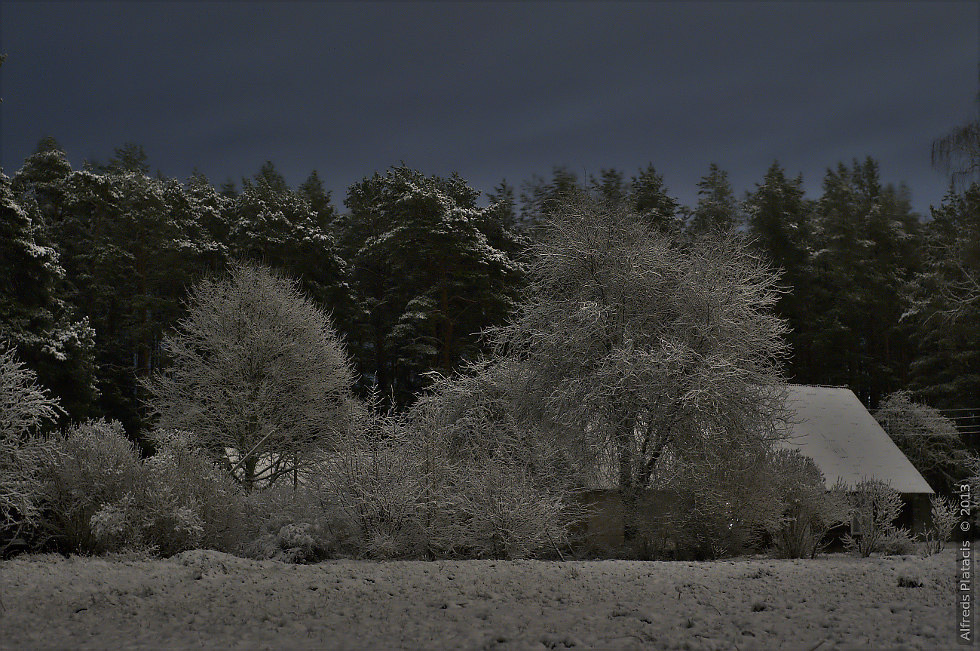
[34,315]
[40,180]
[541,198]
[643,351]
[25,406]
[609,186]
[270,223]
[319,199]
[944,309]
[131,245]
[258,369]
[649,198]
[957,152]
[927,438]
[865,249]
[426,275]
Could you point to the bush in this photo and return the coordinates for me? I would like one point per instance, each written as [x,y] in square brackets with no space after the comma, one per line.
[943,517]
[378,486]
[456,478]
[497,510]
[927,438]
[293,526]
[875,506]
[896,542]
[94,465]
[725,503]
[182,502]
[809,509]
[499,485]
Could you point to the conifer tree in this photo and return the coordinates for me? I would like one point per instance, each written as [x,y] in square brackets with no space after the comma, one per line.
[944,310]
[717,209]
[649,197]
[778,220]
[425,277]
[610,186]
[270,223]
[865,249]
[34,317]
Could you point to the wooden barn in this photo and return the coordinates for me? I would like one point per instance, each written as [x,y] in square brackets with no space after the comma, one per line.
[832,427]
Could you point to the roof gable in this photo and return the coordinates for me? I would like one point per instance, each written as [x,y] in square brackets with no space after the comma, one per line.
[833,428]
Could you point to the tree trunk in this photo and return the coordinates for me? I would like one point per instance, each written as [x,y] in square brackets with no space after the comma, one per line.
[446,361]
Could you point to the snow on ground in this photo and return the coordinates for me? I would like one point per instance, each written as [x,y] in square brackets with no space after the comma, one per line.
[208,599]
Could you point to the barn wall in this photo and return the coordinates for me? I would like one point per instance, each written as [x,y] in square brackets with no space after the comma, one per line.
[916,512]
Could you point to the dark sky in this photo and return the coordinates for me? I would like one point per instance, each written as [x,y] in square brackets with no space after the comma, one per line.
[492,90]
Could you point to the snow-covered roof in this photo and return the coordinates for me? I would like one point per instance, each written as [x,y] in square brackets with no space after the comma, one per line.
[834,429]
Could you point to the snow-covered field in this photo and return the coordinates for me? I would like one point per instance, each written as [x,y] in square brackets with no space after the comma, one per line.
[208,599]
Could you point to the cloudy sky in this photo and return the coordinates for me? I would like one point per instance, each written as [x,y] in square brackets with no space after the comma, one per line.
[492,90]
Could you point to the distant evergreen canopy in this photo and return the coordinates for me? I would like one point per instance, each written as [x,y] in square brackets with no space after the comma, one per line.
[416,267]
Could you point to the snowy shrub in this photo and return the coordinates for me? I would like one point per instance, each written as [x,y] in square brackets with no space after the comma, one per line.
[92,466]
[502,488]
[24,407]
[181,502]
[944,515]
[725,502]
[185,487]
[927,438]
[377,484]
[906,581]
[98,496]
[875,506]
[809,509]
[292,525]
[896,542]
[497,510]
[456,478]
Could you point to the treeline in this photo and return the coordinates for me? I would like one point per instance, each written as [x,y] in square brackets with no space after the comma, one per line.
[97,263]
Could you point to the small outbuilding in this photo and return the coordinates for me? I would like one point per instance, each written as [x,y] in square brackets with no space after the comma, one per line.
[829,425]
[832,427]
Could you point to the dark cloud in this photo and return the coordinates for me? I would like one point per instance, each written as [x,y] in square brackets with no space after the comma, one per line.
[492,90]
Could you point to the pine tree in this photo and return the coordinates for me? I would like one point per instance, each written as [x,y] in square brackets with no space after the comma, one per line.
[717,208]
[650,200]
[40,180]
[270,223]
[499,222]
[425,277]
[131,246]
[945,305]
[541,199]
[778,220]
[34,316]
[504,205]
[865,243]
[610,186]
[319,199]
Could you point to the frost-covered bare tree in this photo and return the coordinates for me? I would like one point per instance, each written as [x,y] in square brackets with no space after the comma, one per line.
[24,407]
[258,372]
[927,438]
[642,349]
